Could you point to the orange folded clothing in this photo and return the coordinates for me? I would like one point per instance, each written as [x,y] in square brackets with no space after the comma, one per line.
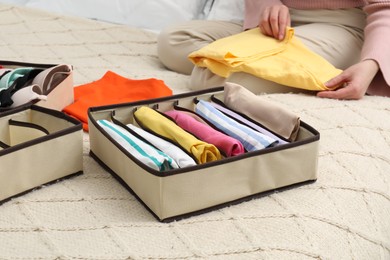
[113,89]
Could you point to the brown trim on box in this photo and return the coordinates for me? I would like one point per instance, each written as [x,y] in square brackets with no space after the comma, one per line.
[26,64]
[4,145]
[146,102]
[42,186]
[221,103]
[10,111]
[155,100]
[22,107]
[237,201]
[201,211]
[171,172]
[57,114]
[314,138]
[77,127]
[121,181]
[28,125]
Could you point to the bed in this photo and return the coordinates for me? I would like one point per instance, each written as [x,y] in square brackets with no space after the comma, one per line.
[343,215]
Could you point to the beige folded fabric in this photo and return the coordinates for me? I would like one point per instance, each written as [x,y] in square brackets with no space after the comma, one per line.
[275,118]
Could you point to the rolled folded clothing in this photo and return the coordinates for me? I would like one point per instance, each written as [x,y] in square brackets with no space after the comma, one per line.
[144,152]
[251,139]
[177,154]
[238,117]
[228,145]
[159,124]
[274,117]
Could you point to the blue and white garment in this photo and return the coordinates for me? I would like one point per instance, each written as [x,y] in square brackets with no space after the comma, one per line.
[144,152]
[248,123]
[251,139]
[177,154]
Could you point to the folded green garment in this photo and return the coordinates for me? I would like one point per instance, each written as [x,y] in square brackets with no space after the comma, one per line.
[8,79]
[288,62]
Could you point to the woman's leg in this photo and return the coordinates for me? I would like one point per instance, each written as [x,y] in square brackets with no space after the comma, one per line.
[175,43]
[336,35]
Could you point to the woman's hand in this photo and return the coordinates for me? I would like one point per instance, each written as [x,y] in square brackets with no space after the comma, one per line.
[356,80]
[274,20]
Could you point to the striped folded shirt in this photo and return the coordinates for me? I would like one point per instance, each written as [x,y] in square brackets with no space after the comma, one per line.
[251,139]
[245,121]
[161,125]
[175,152]
[141,150]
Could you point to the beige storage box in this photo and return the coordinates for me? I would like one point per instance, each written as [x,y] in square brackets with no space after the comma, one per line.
[37,146]
[179,193]
[57,86]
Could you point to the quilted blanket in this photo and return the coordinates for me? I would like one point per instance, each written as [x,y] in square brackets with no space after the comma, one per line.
[345,214]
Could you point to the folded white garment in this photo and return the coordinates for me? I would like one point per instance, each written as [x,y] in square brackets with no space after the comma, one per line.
[142,151]
[177,154]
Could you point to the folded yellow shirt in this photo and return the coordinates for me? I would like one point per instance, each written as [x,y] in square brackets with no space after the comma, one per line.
[152,120]
[286,62]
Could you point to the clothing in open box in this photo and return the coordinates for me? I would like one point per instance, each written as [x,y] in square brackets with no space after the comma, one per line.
[32,127]
[181,192]
[46,85]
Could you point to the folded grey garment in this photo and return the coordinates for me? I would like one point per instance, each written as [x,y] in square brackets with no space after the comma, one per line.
[49,78]
[275,118]
[27,94]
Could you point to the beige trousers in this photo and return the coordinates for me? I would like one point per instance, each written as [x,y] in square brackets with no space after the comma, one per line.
[336,35]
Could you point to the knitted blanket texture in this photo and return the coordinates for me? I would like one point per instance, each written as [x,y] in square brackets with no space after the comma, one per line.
[343,215]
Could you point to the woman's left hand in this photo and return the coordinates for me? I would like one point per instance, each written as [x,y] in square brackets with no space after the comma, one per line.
[356,80]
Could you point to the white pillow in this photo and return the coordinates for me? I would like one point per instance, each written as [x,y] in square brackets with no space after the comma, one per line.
[16,2]
[147,14]
[227,10]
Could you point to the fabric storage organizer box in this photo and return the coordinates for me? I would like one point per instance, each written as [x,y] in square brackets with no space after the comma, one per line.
[38,143]
[179,193]
[59,77]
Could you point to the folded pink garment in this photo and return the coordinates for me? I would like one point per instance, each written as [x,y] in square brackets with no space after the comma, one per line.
[228,145]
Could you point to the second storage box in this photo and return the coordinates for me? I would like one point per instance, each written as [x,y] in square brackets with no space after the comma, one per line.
[37,146]
[181,192]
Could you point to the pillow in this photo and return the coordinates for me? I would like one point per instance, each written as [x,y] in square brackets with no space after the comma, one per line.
[227,10]
[147,14]
[15,2]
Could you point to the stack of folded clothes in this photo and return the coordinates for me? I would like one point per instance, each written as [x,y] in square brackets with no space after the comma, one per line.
[213,130]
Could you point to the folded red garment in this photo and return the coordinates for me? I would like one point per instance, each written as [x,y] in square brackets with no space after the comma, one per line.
[113,89]
[228,145]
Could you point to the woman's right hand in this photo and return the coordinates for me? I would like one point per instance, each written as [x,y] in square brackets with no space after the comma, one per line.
[274,20]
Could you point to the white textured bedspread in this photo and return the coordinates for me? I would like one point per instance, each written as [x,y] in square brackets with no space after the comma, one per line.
[344,215]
